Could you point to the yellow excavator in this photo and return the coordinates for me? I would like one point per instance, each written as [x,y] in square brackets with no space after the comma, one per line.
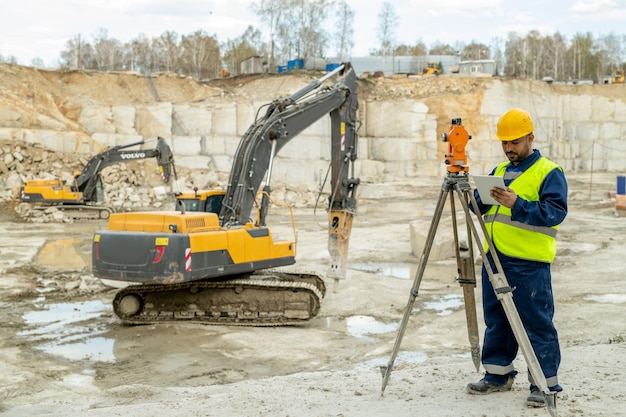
[432,68]
[618,76]
[81,198]
[216,266]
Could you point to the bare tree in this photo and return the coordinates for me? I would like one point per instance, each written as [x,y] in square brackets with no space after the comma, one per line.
[345,32]
[580,55]
[167,48]
[438,48]
[78,53]
[553,60]
[387,24]
[306,18]
[270,12]
[418,49]
[8,59]
[138,56]
[200,55]
[475,51]
[497,53]
[107,51]
[238,49]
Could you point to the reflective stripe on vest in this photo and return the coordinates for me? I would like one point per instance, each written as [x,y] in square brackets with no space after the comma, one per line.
[516,239]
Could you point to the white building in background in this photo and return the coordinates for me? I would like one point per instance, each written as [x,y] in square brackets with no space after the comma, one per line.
[479,67]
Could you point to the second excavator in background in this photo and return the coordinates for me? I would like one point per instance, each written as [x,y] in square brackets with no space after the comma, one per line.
[432,68]
[81,198]
[198,265]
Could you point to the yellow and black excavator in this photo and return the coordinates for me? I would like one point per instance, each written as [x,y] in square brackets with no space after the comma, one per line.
[197,265]
[80,199]
[432,68]
[618,76]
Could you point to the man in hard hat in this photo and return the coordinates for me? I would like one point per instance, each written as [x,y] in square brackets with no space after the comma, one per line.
[523,228]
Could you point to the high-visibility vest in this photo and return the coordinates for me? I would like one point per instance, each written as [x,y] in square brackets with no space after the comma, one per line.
[517,239]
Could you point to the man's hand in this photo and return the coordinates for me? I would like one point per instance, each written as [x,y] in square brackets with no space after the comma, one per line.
[505,196]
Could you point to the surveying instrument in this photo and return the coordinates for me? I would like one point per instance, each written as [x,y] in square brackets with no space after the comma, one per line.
[457,182]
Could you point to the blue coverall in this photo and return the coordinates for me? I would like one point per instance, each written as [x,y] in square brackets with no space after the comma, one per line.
[532,285]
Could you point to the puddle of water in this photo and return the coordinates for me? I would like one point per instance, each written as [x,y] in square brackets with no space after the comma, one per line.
[396,270]
[607,298]
[67,253]
[445,304]
[403,357]
[360,326]
[66,330]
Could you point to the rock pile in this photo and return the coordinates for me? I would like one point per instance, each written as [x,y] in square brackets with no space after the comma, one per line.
[130,186]
[135,185]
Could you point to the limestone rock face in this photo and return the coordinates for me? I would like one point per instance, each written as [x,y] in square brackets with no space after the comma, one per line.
[53,121]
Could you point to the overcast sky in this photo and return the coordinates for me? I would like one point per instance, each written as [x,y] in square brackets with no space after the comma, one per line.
[40,28]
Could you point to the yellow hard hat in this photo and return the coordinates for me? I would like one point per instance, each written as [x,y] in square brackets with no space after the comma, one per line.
[514,124]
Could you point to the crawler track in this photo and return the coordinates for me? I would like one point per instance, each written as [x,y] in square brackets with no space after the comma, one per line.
[259,299]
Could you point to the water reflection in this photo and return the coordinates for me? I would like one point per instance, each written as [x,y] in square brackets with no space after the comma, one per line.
[67,253]
[391,269]
[445,304]
[360,326]
[607,298]
[67,330]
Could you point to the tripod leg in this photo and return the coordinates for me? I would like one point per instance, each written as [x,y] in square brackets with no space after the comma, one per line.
[386,370]
[467,280]
[505,294]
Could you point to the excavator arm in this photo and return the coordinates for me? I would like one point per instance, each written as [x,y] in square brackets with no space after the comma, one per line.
[87,181]
[284,120]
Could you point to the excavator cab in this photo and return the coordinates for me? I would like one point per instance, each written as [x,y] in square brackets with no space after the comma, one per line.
[208,201]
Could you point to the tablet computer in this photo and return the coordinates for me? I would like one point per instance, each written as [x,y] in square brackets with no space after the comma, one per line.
[484,184]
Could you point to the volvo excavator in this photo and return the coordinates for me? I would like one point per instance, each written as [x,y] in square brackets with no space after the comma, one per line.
[217,266]
[80,199]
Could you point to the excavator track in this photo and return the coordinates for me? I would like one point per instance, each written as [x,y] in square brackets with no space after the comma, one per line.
[258,299]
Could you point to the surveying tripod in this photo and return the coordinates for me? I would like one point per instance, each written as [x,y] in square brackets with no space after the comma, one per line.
[457,181]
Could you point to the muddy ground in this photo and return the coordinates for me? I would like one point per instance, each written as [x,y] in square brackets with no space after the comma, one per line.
[64,353]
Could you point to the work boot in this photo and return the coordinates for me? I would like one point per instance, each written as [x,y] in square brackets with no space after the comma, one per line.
[483,387]
[536,398]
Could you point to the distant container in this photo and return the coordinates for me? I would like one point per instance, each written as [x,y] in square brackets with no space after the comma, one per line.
[295,64]
[315,64]
[331,67]
[281,69]
[621,185]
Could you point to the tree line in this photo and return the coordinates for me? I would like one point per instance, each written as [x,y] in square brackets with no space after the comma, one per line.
[297,29]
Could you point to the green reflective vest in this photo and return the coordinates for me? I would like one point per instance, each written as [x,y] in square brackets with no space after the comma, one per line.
[517,239]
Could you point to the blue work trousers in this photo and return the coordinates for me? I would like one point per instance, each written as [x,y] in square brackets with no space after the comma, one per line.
[532,295]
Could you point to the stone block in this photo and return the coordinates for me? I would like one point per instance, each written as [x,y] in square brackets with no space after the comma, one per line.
[192,120]
[154,120]
[306,148]
[295,173]
[123,119]
[186,146]
[97,119]
[225,120]
[395,119]
[390,149]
